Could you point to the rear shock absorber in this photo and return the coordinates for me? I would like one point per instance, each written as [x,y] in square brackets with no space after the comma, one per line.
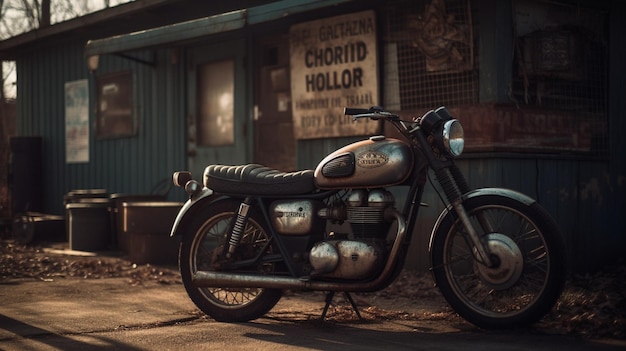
[237,227]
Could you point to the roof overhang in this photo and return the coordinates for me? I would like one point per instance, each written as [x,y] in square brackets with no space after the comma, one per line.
[202,27]
[26,39]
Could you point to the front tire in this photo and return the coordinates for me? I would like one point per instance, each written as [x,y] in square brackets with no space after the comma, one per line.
[206,235]
[530,254]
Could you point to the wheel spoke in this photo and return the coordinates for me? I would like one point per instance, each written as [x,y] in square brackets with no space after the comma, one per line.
[234,297]
[472,286]
[252,240]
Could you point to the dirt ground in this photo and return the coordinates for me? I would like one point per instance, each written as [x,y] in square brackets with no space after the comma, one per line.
[592,305]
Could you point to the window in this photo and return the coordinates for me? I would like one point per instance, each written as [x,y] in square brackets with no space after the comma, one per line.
[216,111]
[560,56]
[561,65]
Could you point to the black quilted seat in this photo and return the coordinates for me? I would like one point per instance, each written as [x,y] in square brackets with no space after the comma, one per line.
[254,179]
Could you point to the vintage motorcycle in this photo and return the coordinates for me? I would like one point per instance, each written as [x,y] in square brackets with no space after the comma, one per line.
[249,232]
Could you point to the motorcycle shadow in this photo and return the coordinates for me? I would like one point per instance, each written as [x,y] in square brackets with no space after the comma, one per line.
[301,327]
[307,308]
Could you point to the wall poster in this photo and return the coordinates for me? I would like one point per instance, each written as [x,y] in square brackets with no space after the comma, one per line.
[115,115]
[76,121]
[333,65]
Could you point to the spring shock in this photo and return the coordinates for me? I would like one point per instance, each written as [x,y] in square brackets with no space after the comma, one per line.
[238,228]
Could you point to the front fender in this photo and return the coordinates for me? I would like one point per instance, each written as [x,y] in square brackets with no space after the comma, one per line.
[508,193]
[190,206]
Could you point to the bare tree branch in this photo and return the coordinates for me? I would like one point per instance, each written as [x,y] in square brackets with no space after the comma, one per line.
[20,16]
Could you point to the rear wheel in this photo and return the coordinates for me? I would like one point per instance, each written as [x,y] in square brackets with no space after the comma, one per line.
[527,248]
[203,241]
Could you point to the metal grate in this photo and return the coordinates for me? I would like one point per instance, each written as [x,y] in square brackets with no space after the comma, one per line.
[432,42]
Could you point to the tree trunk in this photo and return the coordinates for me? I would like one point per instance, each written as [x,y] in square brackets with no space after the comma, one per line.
[44,21]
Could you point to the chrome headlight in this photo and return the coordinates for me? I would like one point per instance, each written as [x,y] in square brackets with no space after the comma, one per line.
[453,137]
[446,133]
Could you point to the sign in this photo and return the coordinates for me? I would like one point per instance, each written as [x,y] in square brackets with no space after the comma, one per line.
[76,121]
[333,65]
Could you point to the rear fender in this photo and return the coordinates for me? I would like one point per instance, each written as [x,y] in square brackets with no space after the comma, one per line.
[448,211]
[190,207]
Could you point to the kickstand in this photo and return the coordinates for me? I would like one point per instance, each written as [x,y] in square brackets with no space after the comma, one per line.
[329,300]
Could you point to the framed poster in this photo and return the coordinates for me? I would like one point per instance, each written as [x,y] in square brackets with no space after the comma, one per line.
[76,121]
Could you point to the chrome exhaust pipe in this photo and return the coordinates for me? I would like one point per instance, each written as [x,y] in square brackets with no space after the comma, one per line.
[235,280]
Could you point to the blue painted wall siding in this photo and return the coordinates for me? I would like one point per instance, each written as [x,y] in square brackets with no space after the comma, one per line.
[124,165]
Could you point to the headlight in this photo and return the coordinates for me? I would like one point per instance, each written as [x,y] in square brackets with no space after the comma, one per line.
[447,132]
[453,140]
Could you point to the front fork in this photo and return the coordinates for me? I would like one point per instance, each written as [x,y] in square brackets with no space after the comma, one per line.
[482,254]
[454,186]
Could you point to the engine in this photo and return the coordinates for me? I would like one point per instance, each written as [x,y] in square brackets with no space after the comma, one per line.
[366,212]
[354,253]
[361,254]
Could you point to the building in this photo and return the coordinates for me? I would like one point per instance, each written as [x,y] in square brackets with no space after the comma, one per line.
[125,96]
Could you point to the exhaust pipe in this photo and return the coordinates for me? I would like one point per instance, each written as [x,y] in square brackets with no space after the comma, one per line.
[235,280]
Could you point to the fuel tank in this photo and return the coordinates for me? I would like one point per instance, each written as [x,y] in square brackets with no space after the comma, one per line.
[377,162]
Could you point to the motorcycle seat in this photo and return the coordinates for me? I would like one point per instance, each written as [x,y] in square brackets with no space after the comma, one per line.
[255,179]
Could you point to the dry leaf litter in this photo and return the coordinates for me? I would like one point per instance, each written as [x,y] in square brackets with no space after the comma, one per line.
[592,305]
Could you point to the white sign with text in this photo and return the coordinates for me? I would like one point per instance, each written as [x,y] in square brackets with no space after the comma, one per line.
[333,65]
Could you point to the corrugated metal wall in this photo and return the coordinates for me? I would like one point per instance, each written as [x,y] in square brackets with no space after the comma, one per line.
[581,194]
[124,165]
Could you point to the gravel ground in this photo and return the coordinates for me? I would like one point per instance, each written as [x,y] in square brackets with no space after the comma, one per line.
[592,305]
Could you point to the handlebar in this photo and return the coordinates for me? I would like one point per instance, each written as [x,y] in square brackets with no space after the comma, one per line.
[374,112]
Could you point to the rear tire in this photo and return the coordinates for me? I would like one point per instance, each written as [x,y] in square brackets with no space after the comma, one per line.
[531,254]
[207,233]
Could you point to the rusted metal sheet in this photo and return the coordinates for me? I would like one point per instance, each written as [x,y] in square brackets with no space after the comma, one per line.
[489,127]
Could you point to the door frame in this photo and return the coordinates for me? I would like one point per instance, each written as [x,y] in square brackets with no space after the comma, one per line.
[198,157]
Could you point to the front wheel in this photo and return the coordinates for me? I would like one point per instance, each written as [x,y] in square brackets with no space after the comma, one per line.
[528,252]
[202,242]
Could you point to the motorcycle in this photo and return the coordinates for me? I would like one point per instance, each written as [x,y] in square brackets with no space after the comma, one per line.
[250,232]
